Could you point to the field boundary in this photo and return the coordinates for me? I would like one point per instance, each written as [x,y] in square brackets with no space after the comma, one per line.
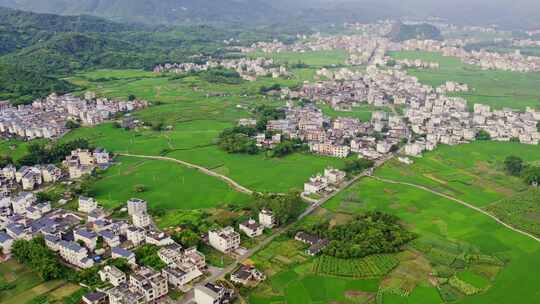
[236,186]
[461,203]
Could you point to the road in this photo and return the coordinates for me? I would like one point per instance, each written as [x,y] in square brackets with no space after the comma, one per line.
[461,203]
[236,186]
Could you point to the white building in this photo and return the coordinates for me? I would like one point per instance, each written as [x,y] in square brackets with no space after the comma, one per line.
[251,228]
[87,204]
[267,218]
[179,278]
[136,235]
[212,294]
[75,254]
[158,238]
[225,240]
[334,176]
[21,202]
[153,285]
[316,184]
[112,275]
[119,252]
[136,205]
[414,149]
[6,242]
[89,238]
[141,220]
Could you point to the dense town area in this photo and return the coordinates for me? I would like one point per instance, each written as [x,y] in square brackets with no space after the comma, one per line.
[122,256]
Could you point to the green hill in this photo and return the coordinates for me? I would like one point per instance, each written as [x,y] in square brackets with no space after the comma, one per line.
[22,86]
[20,29]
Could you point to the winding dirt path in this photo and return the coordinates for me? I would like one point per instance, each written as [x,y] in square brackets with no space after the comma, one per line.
[461,203]
[236,186]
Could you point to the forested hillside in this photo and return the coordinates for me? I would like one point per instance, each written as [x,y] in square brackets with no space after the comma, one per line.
[20,29]
[36,50]
[24,85]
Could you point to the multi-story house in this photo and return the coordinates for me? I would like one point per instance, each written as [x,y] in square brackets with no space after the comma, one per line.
[136,235]
[75,254]
[267,218]
[153,285]
[251,228]
[89,238]
[87,204]
[225,240]
[136,205]
[141,220]
[119,252]
[112,275]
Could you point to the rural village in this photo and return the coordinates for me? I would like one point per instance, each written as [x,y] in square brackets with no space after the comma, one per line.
[409,119]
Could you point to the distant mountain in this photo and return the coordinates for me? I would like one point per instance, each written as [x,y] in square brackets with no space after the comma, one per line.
[157,12]
[506,13]
[20,29]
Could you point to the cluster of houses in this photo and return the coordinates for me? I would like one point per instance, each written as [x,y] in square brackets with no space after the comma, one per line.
[249,69]
[452,87]
[27,177]
[447,120]
[346,89]
[428,114]
[48,117]
[83,161]
[526,43]
[324,183]
[227,240]
[380,28]
[417,64]
[484,59]
[86,238]
[323,136]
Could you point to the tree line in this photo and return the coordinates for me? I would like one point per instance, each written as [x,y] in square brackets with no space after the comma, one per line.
[516,166]
[43,153]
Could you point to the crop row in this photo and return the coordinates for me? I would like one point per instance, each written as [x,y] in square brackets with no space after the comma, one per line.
[368,267]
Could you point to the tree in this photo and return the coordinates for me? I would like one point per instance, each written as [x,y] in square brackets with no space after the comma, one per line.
[158,126]
[120,263]
[356,166]
[5,160]
[532,176]
[38,257]
[287,147]
[235,142]
[41,153]
[513,165]
[131,97]
[483,135]
[285,207]
[366,234]
[187,238]
[71,124]
[140,188]
[146,255]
